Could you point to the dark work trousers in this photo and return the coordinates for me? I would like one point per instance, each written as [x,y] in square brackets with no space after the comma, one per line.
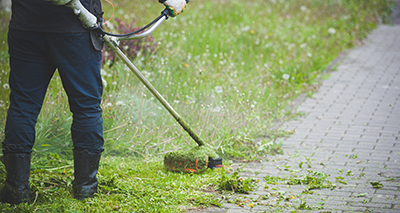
[34,57]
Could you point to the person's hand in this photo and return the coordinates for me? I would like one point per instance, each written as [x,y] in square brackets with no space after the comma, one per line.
[59,2]
[176,6]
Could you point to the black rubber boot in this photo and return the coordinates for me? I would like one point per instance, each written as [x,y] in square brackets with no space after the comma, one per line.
[86,166]
[16,189]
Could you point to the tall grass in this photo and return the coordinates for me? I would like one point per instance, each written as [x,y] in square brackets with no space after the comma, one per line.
[230,68]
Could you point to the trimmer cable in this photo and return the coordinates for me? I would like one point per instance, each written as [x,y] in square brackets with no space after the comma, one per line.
[165,12]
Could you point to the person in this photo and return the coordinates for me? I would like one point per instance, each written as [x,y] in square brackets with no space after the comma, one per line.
[44,36]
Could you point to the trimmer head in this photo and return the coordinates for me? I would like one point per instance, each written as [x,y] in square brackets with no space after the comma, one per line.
[196,160]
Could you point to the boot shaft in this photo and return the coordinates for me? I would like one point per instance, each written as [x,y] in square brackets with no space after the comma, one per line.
[16,188]
[86,166]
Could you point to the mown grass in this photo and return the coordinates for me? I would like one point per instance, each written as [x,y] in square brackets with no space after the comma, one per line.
[126,185]
[229,68]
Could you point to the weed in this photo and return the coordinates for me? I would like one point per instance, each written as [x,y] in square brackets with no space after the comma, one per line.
[361,195]
[236,184]
[304,206]
[376,184]
[313,180]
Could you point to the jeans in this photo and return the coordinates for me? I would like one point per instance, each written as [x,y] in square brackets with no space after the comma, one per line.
[34,57]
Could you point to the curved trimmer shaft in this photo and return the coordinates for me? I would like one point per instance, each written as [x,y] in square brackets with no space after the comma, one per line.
[114,46]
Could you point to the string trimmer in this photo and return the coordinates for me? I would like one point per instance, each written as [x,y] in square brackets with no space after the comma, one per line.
[196,160]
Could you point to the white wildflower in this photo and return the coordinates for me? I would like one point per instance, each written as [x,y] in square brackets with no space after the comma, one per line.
[303,8]
[146,74]
[216,109]
[331,31]
[6,86]
[286,76]
[109,105]
[104,82]
[218,89]
[119,103]
[246,28]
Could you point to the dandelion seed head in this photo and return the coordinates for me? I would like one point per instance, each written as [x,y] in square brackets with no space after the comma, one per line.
[218,89]
[331,31]
[6,86]
[286,76]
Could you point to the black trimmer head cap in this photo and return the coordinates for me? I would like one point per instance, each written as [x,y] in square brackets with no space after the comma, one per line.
[215,163]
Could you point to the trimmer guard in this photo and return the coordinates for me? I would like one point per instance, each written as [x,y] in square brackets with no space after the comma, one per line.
[196,160]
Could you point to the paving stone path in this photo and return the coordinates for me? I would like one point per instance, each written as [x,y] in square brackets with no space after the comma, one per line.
[349,139]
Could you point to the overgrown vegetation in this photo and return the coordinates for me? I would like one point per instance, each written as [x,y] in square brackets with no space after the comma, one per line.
[230,68]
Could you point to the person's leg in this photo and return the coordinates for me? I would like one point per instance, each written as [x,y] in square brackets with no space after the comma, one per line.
[29,77]
[79,67]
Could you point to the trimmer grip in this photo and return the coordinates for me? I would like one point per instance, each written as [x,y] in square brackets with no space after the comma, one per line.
[166,12]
